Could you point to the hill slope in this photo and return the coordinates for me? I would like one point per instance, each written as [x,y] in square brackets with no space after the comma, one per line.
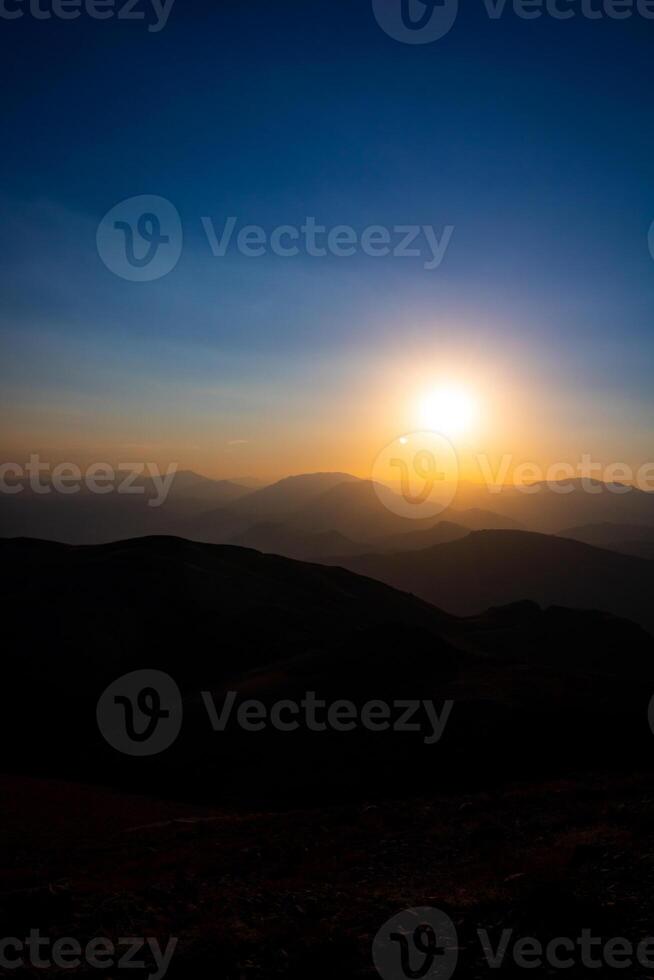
[225,619]
[489,568]
[630,539]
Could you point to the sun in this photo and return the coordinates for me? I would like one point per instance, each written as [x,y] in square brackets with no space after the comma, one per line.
[448,409]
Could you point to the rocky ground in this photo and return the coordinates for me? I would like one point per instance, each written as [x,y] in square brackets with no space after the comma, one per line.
[302,894]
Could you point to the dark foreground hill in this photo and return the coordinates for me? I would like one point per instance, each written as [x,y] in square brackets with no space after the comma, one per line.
[530,689]
[488,568]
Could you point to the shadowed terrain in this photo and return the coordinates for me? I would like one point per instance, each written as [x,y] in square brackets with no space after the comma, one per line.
[220,619]
[274,854]
[260,895]
[497,567]
[630,539]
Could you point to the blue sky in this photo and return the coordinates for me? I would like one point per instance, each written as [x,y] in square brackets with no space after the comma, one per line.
[534,139]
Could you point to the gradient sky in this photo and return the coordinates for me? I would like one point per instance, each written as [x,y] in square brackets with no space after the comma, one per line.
[534,139]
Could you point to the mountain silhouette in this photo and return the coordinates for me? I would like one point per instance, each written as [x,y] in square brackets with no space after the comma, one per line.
[90,518]
[276,503]
[327,504]
[191,488]
[440,533]
[488,568]
[222,511]
[221,618]
[281,539]
[551,507]
[630,539]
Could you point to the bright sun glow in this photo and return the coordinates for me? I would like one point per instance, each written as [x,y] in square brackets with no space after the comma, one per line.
[448,409]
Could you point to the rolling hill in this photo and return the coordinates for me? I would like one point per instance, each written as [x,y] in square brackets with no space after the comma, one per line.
[221,619]
[489,568]
[281,539]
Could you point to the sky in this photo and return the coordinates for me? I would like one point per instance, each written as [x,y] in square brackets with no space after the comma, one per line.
[530,140]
